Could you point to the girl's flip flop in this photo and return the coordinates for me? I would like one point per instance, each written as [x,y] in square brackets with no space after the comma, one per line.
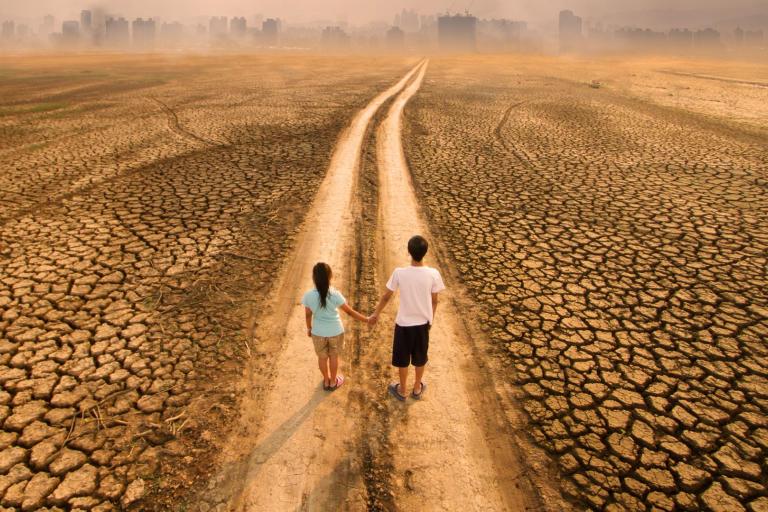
[327,387]
[339,382]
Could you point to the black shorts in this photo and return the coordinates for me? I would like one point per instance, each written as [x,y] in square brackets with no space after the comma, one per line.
[410,345]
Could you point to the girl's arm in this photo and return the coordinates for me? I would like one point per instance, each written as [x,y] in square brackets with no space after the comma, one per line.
[308,317]
[354,314]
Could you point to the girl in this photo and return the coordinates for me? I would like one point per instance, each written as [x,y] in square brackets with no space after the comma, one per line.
[321,306]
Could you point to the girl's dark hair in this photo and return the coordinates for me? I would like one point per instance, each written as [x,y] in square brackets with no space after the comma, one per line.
[321,275]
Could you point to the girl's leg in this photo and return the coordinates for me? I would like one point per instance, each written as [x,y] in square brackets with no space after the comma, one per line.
[322,363]
[334,364]
[335,348]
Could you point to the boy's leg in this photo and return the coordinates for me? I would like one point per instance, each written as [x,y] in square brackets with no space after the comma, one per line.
[420,354]
[403,374]
[417,382]
[401,356]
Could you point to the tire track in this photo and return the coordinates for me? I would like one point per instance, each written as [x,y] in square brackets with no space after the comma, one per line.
[519,154]
[294,448]
[447,450]
[715,78]
[175,126]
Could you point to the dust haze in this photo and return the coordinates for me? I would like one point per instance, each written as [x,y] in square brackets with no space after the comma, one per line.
[592,178]
[654,13]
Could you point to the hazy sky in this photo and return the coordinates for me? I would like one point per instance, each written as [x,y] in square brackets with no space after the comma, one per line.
[360,11]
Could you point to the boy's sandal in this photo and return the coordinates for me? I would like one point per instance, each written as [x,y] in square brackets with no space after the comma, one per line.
[394,392]
[416,395]
[339,382]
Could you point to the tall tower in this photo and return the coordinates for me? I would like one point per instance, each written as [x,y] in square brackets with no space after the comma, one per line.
[457,32]
[143,32]
[270,29]
[9,29]
[86,21]
[117,33]
[569,30]
[238,27]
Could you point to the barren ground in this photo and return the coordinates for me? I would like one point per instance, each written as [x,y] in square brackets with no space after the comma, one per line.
[145,207]
[616,245]
[601,344]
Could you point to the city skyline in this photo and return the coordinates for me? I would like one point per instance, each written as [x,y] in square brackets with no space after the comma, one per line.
[653,13]
[572,31]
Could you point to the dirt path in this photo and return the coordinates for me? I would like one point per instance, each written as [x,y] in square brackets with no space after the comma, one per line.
[293,440]
[300,448]
[448,449]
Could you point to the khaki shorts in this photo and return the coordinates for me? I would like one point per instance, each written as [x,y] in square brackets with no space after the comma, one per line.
[330,346]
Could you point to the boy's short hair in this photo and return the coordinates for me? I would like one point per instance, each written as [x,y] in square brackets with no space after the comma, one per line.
[417,247]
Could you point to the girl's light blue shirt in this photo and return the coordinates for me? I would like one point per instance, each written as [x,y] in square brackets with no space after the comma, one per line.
[326,321]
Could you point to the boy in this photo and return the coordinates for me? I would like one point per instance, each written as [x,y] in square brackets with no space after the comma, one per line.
[419,286]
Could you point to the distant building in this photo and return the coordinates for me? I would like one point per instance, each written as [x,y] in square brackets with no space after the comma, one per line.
[144,32]
[9,30]
[334,37]
[23,31]
[682,38]
[457,32]
[217,26]
[753,37]
[427,22]
[407,20]
[500,33]
[70,32]
[569,30]
[238,27]
[738,35]
[748,37]
[270,31]
[637,38]
[116,32]
[395,38]
[706,38]
[86,21]
[48,25]
[171,33]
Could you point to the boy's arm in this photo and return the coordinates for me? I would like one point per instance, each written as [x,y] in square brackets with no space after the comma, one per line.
[308,317]
[383,301]
[437,287]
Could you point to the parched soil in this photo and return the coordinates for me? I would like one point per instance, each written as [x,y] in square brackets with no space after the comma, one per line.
[143,215]
[605,250]
[618,250]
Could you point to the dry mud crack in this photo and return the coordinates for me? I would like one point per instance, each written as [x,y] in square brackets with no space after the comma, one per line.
[603,335]
[122,294]
[623,272]
[300,448]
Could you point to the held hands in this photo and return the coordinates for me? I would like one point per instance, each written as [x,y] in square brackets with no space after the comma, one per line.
[371,320]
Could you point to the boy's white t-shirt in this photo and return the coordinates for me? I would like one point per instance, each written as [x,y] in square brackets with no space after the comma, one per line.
[416,285]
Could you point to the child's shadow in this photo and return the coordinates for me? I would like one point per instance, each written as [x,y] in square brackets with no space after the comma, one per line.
[269,446]
[232,483]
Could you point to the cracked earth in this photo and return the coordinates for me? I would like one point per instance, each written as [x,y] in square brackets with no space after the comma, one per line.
[606,247]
